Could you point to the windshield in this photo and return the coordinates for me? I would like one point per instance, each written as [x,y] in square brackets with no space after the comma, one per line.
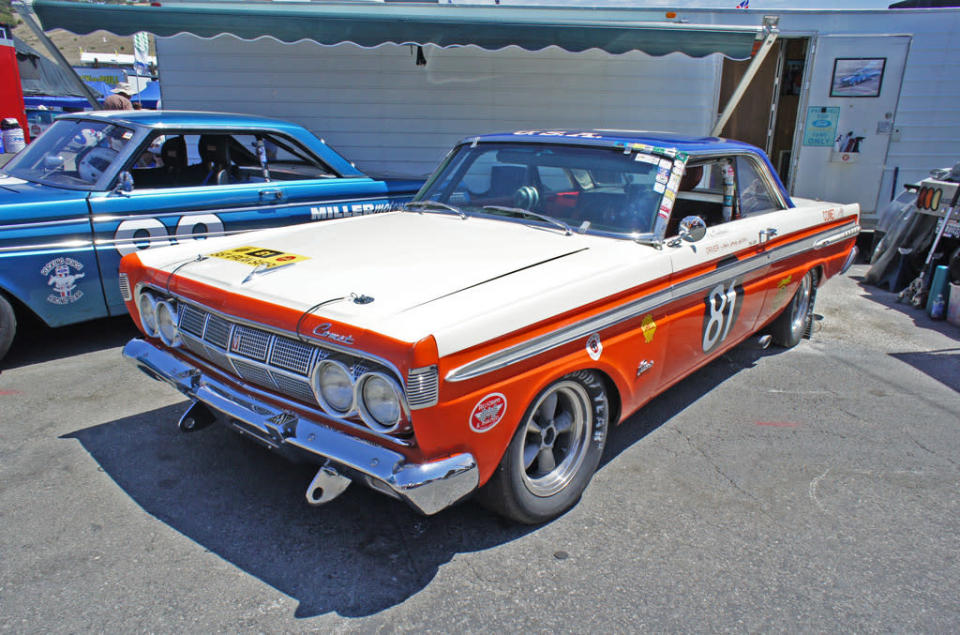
[71,153]
[589,189]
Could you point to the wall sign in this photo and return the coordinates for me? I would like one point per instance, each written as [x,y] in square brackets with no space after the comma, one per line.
[857,76]
[820,128]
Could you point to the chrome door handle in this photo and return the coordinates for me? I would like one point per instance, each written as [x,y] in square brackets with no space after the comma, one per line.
[272,194]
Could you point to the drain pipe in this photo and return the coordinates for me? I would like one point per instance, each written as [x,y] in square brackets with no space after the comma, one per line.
[771,32]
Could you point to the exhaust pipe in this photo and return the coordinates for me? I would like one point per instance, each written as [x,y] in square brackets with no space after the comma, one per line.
[764,341]
[197,417]
[326,485]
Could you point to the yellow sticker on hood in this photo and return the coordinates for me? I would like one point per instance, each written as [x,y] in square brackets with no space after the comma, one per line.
[259,257]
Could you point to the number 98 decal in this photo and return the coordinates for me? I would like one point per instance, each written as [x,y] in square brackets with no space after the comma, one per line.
[723,307]
[141,233]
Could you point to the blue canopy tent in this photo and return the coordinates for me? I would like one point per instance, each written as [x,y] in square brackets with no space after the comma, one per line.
[149,96]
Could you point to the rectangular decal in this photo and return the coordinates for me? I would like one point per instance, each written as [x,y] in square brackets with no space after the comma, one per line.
[258,257]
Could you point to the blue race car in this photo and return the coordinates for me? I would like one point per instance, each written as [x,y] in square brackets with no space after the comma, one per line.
[98,185]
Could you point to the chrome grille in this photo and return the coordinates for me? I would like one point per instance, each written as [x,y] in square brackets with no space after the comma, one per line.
[269,360]
[254,372]
[250,342]
[297,388]
[217,331]
[423,387]
[124,282]
[191,321]
[292,355]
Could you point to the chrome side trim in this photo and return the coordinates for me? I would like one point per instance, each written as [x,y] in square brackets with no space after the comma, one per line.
[836,238]
[560,337]
[428,487]
[67,244]
[47,223]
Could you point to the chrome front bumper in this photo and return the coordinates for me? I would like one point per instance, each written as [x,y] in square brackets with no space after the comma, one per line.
[427,487]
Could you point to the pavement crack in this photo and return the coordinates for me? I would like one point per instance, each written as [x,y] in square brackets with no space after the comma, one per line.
[926,449]
[724,475]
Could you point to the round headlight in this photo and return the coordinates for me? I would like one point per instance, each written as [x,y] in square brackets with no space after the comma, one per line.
[167,323]
[148,313]
[334,387]
[380,400]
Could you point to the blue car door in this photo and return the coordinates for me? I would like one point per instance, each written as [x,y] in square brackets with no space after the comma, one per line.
[228,191]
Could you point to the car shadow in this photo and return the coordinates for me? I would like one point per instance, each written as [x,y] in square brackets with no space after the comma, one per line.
[680,396]
[36,343]
[355,556]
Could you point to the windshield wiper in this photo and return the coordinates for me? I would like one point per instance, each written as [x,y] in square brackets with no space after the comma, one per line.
[435,205]
[556,222]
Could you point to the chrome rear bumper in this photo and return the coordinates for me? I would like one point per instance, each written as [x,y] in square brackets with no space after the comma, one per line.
[849,261]
[427,487]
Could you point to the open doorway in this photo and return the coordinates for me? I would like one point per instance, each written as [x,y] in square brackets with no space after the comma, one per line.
[767,114]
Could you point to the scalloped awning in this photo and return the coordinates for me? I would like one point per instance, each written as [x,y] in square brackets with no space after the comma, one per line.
[369,24]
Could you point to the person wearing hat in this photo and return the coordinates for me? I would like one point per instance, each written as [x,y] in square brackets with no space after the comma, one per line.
[120,99]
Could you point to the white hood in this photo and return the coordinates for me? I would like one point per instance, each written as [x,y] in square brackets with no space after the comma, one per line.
[427,273]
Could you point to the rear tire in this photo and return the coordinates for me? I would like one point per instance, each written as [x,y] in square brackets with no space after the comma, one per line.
[8,325]
[795,320]
[553,453]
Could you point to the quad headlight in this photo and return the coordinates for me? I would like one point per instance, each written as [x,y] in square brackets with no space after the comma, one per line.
[148,313]
[333,387]
[167,323]
[375,396]
[380,400]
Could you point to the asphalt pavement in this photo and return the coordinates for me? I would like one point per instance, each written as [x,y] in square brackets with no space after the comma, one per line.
[814,489]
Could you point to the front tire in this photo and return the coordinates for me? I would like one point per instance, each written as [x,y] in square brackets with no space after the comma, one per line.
[795,320]
[553,453]
[8,325]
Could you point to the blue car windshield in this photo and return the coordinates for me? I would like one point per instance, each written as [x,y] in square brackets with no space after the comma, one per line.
[590,189]
[71,153]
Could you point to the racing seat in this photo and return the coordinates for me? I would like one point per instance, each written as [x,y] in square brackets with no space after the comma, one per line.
[215,155]
[173,153]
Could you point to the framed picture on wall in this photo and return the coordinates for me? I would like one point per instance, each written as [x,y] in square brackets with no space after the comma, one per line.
[857,76]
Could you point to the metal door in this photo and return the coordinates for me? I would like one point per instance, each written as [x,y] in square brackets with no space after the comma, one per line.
[851,95]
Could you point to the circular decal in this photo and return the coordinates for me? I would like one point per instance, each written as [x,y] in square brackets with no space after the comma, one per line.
[594,346]
[488,412]
[62,275]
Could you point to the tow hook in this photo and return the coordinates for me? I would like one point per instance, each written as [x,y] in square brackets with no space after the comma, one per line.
[326,485]
[197,417]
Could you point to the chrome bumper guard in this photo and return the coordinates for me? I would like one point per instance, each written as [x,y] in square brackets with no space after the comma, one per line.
[428,487]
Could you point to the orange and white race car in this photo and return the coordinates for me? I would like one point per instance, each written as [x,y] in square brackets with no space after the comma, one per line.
[541,287]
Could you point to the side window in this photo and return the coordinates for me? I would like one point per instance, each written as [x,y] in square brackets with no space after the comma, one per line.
[753,189]
[705,190]
[288,161]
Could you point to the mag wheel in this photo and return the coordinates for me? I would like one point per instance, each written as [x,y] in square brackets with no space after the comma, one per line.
[553,453]
[790,327]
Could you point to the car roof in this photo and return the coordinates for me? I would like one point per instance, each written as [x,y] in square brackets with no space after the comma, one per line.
[620,138]
[184,119]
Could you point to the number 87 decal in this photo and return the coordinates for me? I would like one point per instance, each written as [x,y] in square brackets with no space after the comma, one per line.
[723,307]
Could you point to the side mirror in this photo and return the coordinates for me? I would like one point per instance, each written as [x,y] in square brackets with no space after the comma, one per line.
[692,229]
[124,183]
